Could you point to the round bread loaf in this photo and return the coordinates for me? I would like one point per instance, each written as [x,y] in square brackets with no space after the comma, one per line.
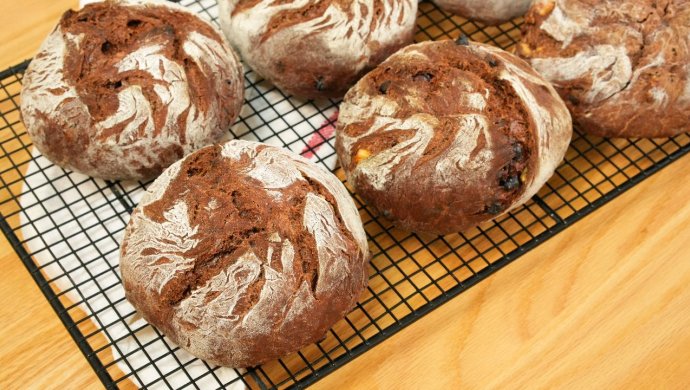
[316,48]
[486,11]
[444,135]
[621,66]
[122,89]
[243,252]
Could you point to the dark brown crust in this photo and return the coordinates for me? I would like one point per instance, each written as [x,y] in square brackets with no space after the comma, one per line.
[661,29]
[324,77]
[243,220]
[246,216]
[108,32]
[419,202]
[309,69]
[311,10]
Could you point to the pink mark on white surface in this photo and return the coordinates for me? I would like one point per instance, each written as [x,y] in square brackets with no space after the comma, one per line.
[320,136]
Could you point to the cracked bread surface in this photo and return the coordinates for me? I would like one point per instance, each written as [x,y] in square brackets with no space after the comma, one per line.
[242,253]
[122,89]
[622,67]
[445,135]
[316,48]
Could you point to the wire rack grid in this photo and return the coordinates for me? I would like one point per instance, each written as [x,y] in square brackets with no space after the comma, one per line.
[66,228]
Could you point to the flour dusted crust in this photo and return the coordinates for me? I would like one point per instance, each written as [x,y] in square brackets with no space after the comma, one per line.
[243,252]
[621,66]
[122,89]
[442,136]
[487,11]
[316,48]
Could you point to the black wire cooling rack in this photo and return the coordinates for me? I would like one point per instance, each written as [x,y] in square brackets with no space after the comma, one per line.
[66,227]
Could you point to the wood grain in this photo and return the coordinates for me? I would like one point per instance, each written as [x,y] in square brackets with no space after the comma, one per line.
[35,351]
[602,305]
[25,24]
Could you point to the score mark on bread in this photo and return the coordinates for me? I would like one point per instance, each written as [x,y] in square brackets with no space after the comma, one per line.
[616,63]
[317,48]
[462,132]
[122,89]
[244,252]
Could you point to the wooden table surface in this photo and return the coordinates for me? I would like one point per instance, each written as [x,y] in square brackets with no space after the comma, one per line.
[605,304]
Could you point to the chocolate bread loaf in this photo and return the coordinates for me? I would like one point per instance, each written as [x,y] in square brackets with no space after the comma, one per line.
[316,48]
[243,252]
[486,11]
[444,135]
[621,65]
[122,89]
